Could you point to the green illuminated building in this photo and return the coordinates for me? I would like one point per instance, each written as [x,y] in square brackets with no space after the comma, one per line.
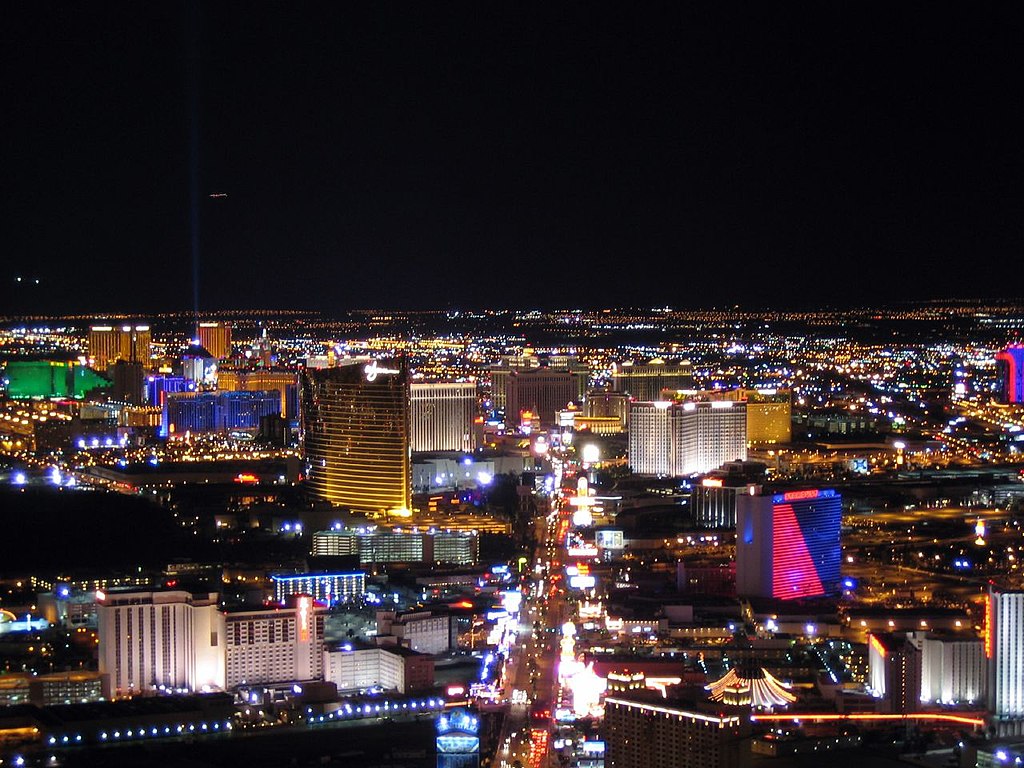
[50,378]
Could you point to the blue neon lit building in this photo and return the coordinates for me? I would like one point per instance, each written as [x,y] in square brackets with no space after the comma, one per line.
[458,745]
[1010,367]
[158,387]
[327,588]
[216,411]
[787,544]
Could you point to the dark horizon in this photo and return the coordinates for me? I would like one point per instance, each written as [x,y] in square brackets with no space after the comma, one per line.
[445,156]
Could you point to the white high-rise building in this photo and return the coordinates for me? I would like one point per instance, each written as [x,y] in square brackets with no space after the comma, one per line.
[276,645]
[1004,648]
[151,640]
[392,667]
[441,415]
[952,669]
[173,640]
[669,438]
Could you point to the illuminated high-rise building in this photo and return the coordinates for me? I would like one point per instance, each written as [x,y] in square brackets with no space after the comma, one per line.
[1010,367]
[953,669]
[787,544]
[163,638]
[502,376]
[441,415]
[285,382]
[676,439]
[542,392]
[894,665]
[648,729]
[216,411]
[274,645]
[216,339]
[1004,647]
[355,435]
[646,381]
[110,343]
[769,411]
[608,405]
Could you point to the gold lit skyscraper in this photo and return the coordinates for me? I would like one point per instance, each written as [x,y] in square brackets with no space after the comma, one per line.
[110,343]
[216,338]
[355,435]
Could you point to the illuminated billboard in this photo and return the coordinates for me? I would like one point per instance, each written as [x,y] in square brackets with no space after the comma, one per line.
[610,539]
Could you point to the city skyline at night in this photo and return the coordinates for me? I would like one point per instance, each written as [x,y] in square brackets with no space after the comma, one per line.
[511,385]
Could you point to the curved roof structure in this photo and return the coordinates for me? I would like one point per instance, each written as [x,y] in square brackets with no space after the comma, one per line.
[751,685]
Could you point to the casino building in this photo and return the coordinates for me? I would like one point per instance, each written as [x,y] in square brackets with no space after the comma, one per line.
[355,435]
[787,544]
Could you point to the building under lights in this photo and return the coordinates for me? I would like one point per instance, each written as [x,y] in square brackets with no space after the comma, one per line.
[392,667]
[953,669]
[153,640]
[441,416]
[109,343]
[644,729]
[541,392]
[676,439]
[1004,649]
[422,631]
[274,645]
[262,380]
[216,337]
[50,378]
[216,411]
[327,588]
[355,436]
[894,669]
[647,381]
[787,544]
[1010,369]
[399,545]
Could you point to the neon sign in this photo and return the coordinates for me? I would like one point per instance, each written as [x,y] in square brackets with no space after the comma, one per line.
[304,603]
[807,495]
[371,370]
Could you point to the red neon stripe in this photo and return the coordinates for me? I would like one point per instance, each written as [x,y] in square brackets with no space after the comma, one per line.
[793,571]
[963,719]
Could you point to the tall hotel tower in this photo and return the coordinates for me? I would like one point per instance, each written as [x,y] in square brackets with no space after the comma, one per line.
[355,435]
[1004,648]
[787,544]
[442,415]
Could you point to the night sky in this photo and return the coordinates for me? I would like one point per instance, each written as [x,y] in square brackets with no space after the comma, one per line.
[436,154]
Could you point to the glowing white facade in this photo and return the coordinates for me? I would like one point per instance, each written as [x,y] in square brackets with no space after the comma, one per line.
[952,670]
[441,416]
[669,438]
[423,631]
[274,646]
[152,640]
[1004,647]
[392,668]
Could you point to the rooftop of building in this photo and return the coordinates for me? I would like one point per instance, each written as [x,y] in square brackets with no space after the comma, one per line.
[679,699]
[890,643]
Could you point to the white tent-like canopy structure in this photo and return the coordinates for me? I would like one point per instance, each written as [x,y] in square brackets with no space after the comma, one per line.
[750,686]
